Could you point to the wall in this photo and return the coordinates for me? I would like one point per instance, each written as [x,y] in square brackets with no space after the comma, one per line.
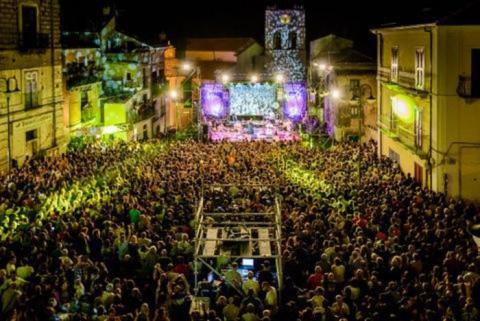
[228,56]
[251,60]
[456,138]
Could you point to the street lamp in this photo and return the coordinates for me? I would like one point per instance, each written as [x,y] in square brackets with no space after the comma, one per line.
[358,97]
[225,78]
[8,92]
[186,66]
[336,94]
[279,78]
[254,78]
[173,94]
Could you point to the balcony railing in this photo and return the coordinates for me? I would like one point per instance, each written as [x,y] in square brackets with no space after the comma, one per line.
[78,74]
[398,131]
[141,112]
[33,41]
[466,89]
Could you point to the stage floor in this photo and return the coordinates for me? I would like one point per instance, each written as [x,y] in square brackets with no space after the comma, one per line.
[241,131]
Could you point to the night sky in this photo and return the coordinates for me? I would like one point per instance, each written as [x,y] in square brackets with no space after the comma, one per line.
[186,18]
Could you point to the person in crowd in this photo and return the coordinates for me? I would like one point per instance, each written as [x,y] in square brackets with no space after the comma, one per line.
[105,233]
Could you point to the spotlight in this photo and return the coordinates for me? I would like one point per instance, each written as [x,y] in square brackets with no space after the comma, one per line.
[279,78]
[173,94]
[225,78]
[186,66]
[336,94]
[322,67]
[254,78]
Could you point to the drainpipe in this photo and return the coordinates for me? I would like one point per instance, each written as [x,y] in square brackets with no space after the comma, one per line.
[52,61]
[379,90]
[430,165]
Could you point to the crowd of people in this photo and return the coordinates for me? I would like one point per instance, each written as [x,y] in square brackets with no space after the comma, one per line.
[107,234]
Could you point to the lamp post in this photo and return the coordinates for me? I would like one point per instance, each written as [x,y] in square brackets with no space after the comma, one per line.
[8,92]
[359,97]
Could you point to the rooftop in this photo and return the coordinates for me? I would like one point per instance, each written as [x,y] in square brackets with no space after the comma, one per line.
[446,13]
[217,44]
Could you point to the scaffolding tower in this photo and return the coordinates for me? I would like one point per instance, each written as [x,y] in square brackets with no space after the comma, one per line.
[238,236]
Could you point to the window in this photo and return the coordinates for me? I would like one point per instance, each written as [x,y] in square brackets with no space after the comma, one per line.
[394,65]
[355,111]
[355,86]
[420,68]
[418,128]
[475,85]
[292,39]
[277,40]
[145,79]
[394,156]
[31,89]
[129,76]
[29,25]
[254,63]
[31,141]
[393,122]
[145,131]
[30,135]
[83,99]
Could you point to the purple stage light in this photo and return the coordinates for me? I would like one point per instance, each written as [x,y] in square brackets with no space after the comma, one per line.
[295,106]
[214,100]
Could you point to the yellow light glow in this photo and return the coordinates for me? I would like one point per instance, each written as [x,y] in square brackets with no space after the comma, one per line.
[108,130]
[403,107]
[173,94]
[186,66]
[225,78]
[254,78]
[279,78]
[336,94]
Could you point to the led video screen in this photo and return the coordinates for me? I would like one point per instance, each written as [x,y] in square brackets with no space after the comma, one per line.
[253,99]
[214,100]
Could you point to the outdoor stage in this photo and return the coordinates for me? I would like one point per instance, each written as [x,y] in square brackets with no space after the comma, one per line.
[253,130]
[252,111]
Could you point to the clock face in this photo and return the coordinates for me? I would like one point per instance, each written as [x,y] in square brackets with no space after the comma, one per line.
[285,19]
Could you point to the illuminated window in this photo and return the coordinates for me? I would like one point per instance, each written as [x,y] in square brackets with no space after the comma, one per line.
[420,68]
[418,128]
[394,64]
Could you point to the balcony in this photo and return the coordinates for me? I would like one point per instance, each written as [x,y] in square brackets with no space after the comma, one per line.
[403,134]
[141,112]
[78,74]
[33,41]
[88,113]
[466,88]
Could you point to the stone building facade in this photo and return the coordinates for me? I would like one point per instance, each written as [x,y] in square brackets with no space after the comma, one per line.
[31,101]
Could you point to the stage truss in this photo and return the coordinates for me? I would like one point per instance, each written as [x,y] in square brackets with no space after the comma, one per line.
[255,235]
